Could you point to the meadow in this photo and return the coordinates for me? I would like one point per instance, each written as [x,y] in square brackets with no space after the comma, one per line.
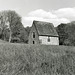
[23,59]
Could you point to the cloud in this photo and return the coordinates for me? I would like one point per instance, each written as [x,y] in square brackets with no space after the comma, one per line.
[27,21]
[42,13]
[68,13]
[56,17]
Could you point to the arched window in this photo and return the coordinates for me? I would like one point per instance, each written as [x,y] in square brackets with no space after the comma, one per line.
[33,42]
[33,34]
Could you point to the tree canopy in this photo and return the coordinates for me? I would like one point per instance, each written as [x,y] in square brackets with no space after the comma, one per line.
[11,26]
[66,34]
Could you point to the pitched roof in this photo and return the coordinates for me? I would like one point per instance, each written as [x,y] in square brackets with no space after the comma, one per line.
[45,28]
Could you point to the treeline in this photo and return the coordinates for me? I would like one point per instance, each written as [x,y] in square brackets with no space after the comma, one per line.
[66,34]
[11,27]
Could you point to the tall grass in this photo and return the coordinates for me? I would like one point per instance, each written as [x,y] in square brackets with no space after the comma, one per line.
[20,59]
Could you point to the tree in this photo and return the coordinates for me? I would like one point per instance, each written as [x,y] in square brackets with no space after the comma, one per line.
[10,21]
[24,36]
[61,32]
[28,29]
[70,31]
[14,22]
[66,34]
[3,24]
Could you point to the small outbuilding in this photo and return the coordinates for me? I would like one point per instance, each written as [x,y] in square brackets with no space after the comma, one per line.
[43,33]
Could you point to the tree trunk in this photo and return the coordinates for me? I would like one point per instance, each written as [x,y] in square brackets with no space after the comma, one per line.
[10,36]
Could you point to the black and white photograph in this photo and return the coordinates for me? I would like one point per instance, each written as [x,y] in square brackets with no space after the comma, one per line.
[37,37]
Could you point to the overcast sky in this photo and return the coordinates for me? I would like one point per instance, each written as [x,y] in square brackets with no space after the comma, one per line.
[54,11]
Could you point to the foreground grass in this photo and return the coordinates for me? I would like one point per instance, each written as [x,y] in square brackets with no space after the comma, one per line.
[20,59]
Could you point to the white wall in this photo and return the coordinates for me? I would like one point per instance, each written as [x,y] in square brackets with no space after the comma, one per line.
[53,40]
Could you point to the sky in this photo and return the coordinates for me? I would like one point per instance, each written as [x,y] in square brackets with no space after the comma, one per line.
[53,11]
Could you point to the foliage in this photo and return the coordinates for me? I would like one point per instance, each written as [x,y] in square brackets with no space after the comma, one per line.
[3,25]
[11,27]
[26,32]
[61,32]
[24,36]
[15,24]
[66,34]
[70,30]
[28,29]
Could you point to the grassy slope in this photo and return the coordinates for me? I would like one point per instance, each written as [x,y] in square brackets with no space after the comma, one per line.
[20,59]
[2,41]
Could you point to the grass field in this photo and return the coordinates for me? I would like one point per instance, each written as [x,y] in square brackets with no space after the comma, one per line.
[22,59]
